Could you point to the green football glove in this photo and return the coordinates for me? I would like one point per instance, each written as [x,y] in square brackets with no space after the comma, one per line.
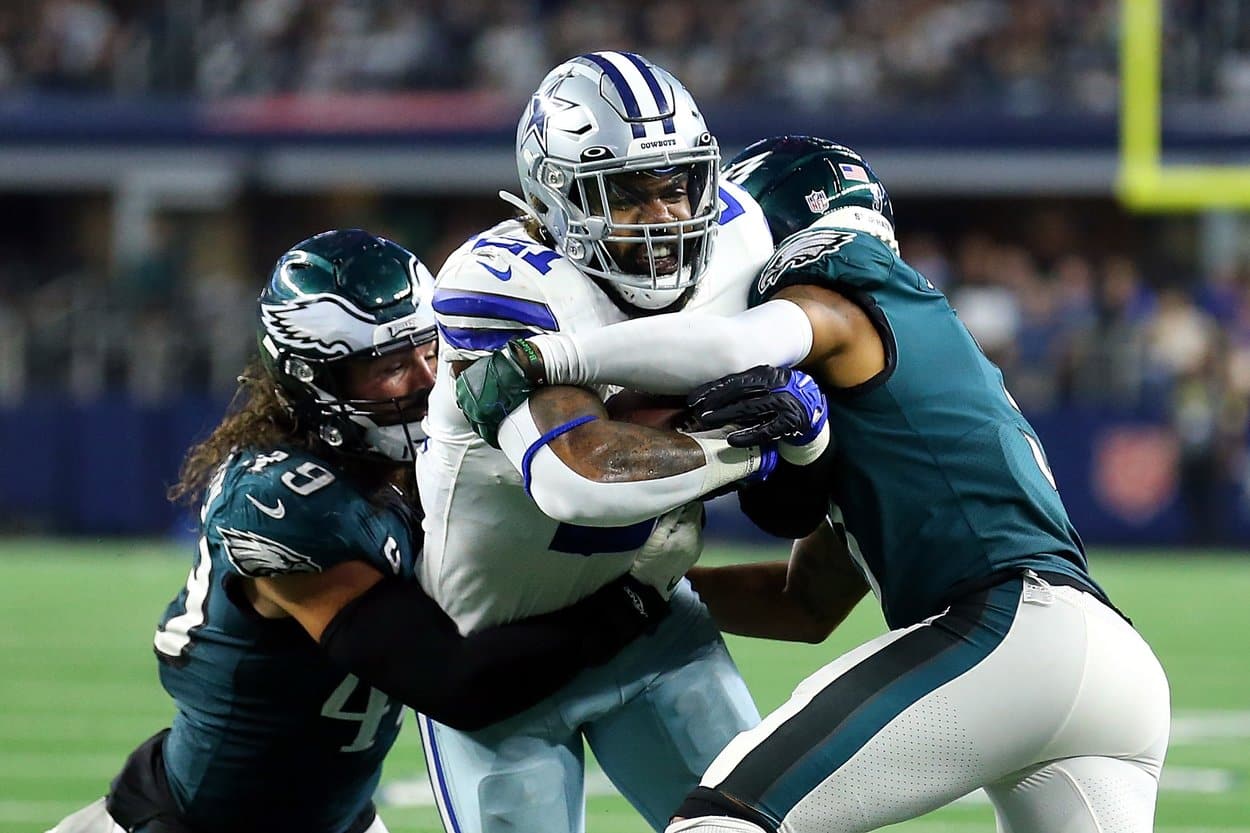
[490,389]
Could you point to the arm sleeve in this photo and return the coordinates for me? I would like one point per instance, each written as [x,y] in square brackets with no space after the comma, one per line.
[675,352]
[398,640]
[793,501]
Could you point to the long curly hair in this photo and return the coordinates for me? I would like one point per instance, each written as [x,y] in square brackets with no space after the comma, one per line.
[257,417]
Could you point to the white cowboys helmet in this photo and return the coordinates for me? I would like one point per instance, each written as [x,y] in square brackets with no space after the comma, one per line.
[601,115]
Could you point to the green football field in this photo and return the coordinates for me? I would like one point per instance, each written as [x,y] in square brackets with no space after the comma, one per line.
[78,687]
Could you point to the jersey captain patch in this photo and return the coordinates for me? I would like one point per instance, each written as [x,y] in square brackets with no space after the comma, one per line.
[256,556]
[800,250]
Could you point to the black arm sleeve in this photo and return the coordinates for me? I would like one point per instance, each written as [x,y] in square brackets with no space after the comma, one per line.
[793,501]
[398,640]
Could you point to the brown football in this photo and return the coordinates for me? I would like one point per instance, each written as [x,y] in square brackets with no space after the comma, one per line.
[648,409]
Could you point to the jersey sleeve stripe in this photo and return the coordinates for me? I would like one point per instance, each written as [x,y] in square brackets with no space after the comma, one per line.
[487,305]
[467,338]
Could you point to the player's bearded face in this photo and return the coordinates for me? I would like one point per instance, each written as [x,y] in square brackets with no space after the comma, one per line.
[647,198]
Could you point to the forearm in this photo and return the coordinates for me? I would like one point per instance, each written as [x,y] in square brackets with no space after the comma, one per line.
[398,640]
[605,473]
[751,600]
[676,352]
[800,601]
[823,576]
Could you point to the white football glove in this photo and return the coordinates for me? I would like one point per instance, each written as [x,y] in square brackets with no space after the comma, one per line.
[673,547]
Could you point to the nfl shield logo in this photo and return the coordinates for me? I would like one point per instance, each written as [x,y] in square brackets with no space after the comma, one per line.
[818,202]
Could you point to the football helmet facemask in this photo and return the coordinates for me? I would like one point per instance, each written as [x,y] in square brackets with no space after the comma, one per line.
[334,299]
[606,128]
[798,180]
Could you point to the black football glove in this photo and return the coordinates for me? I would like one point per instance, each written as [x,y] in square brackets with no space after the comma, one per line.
[764,404]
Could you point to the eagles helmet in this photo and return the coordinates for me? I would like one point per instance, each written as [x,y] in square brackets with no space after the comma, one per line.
[799,179]
[601,115]
[334,298]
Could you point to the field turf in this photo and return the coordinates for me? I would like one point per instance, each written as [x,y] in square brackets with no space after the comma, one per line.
[78,688]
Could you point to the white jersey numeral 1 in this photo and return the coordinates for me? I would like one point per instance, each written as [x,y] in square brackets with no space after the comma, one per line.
[172,639]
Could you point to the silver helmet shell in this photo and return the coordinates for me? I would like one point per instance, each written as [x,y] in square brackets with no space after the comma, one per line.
[608,113]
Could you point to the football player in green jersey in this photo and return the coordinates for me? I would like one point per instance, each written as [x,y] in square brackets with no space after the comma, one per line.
[1006,667]
[302,633]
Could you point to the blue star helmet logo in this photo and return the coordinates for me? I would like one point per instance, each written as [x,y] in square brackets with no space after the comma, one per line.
[543,104]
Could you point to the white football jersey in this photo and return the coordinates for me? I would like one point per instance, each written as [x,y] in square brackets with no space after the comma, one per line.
[491,555]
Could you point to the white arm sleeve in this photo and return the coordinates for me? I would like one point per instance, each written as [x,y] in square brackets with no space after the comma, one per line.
[566,496]
[675,352]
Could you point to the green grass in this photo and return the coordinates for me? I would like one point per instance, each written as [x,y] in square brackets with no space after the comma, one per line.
[78,686]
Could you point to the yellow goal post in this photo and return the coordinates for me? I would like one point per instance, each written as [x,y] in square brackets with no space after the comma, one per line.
[1143,182]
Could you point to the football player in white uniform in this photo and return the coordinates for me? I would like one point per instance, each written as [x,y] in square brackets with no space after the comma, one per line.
[624,216]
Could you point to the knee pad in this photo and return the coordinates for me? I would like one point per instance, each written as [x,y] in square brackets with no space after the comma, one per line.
[526,798]
[705,704]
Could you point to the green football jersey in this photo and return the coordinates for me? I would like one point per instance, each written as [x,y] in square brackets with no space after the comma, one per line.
[940,480]
[269,735]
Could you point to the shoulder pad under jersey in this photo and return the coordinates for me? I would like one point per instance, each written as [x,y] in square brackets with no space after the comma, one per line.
[501,285]
[282,511]
[741,217]
[743,245]
[826,254]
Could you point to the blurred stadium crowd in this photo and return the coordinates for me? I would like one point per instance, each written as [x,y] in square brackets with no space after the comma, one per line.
[1021,54]
[1073,321]
[1081,307]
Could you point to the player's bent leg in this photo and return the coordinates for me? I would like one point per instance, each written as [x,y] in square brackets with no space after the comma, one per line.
[1122,708]
[1005,680]
[1077,795]
[94,818]
[877,736]
[506,778]
[1101,771]
[657,745]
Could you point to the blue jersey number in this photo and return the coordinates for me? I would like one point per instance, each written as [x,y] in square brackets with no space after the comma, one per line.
[732,210]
